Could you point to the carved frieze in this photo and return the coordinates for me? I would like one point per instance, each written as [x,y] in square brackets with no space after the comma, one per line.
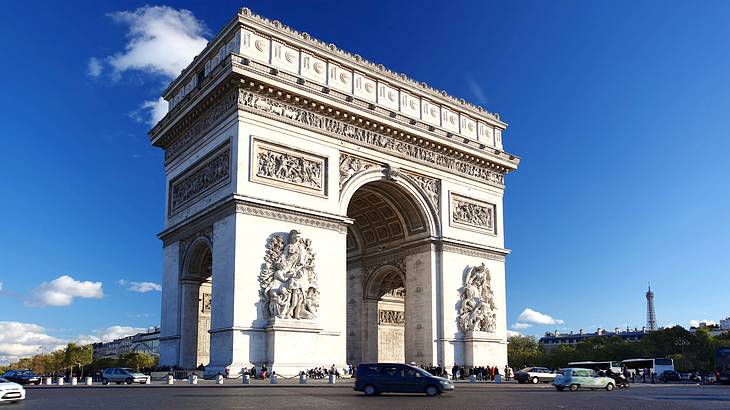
[476,306]
[371,139]
[204,122]
[288,280]
[288,168]
[209,173]
[391,317]
[351,165]
[473,214]
[431,187]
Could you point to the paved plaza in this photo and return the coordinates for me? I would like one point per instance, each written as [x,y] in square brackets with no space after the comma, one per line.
[318,394]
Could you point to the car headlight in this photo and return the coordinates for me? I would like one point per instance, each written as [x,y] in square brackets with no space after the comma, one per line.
[445,382]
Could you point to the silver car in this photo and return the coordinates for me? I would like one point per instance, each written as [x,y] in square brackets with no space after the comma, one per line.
[120,375]
[575,378]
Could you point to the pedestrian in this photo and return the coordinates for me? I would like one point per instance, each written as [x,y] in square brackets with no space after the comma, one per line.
[454,371]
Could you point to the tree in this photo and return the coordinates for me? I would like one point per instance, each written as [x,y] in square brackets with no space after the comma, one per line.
[76,355]
[138,360]
[523,351]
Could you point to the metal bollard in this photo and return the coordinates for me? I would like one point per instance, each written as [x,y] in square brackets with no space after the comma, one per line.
[219,379]
[193,379]
[170,379]
[74,381]
[148,380]
[274,379]
[332,379]
[302,378]
[49,381]
[60,381]
[89,381]
[246,379]
[472,379]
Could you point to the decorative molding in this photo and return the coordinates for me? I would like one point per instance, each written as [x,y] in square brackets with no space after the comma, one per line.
[202,124]
[288,280]
[351,165]
[209,173]
[250,101]
[431,187]
[294,217]
[470,251]
[391,317]
[288,168]
[207,303]
[477,307]
[398,261]
[473,214]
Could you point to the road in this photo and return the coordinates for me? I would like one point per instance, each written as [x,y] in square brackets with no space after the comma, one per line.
[339,396]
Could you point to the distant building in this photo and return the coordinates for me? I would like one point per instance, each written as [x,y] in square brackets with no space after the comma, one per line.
[714,329]
[145,342]
[551,340]
[650,312]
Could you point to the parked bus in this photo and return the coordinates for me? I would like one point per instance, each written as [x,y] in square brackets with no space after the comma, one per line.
[655,365]
[722,364]
[613,365]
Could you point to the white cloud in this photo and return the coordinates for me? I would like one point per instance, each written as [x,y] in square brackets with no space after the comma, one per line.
[19,340]
[476,90]
[94,68]
[156,110]
[521,325]
[696,323]
[62,291]
[512,333]
[532,316]
[141,287]
[162,40]
[110,333]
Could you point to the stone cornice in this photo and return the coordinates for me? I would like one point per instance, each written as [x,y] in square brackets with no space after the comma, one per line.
[414,102]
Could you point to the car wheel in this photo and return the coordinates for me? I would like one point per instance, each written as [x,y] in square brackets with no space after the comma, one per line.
[560,388]
[370,390]
[609,386]
[129,381]
[535,380]
[104,381]
[432,391]
[573,387]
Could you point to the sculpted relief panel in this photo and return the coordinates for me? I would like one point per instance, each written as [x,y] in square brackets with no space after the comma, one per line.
[391,317]
[211,172]
[289,287]
[289,169]
[351,165]
[472,214]
[477,307]
[385,143]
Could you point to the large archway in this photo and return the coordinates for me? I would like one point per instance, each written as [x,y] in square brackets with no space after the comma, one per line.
[388,220]
[196,285]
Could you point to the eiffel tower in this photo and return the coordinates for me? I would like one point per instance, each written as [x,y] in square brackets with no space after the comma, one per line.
[650,314]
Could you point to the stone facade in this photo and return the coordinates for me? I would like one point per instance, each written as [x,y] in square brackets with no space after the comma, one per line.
[273,255]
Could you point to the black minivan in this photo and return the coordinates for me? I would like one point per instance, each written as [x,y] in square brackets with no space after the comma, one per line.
[376,378]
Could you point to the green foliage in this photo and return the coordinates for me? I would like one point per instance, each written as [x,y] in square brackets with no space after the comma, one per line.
[138,360]
[523,351]
[690,351]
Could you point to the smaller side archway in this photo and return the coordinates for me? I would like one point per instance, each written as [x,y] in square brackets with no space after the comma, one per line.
[385,315]
[196,290]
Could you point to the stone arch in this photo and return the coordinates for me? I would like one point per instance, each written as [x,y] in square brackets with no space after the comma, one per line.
[429,211]
[196,293]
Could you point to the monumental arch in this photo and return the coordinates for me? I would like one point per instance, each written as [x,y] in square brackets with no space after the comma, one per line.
[323,209]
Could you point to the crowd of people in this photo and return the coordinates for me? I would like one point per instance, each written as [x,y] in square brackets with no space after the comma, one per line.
[481,373]
[322,372]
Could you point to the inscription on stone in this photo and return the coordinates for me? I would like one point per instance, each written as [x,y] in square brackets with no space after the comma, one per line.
[207,174]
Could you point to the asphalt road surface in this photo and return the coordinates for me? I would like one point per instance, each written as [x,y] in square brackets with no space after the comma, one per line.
[341,396]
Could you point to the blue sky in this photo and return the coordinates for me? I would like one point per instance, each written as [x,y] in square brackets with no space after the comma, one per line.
[619,111]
